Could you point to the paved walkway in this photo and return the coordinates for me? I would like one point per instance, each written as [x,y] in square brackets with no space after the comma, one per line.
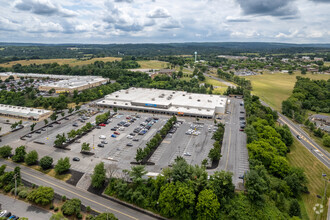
[23,209]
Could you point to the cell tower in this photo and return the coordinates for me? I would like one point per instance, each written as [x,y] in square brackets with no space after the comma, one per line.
[195,56]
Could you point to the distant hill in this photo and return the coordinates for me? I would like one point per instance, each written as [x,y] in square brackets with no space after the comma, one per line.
[35,51]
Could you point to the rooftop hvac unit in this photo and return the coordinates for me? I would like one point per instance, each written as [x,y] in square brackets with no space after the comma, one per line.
[126,92]
[209,101]
[126,103]
[114,102]
[117,96]
[183,94]
[153,99]
[199,109]
[173,92]
[198,100]
[39,111]
[103,101]
[190,97]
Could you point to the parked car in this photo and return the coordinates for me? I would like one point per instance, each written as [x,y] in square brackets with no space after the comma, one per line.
[67,118]
[51,125]
[102,137]
[100,145]
[98,127]
[28,135]
[241,129]
[135,139]
[129,144]
[129,136]
[43,129]
[13,217]
[116,132]
[76,159]
[58,122]
[187,154]
[75,125]
[102,124]
[38,132]
[104,142]
[114,136]
[113,129]
[298,136]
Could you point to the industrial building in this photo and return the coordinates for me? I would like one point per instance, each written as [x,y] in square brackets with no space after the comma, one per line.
[166,102]
[78,83]
[61,83]
[24,112]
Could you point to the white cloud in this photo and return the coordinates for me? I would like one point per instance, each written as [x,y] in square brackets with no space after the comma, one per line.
[111,21]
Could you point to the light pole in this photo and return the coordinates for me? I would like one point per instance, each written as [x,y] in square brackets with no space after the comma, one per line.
[15,177]
[93,141]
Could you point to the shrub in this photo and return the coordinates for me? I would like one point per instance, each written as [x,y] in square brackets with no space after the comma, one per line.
[51,206]
[43,195]
[63,198]
[79,216]
[19,154]
[5,151]
[56,209]
[88,209]
[31,158]
[62,165]
[46,162]
[71,207]
[23,194]
[8,187]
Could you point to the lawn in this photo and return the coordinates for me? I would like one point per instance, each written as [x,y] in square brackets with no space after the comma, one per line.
[326,63]
[153,64]
[71,62]
[275,88]
[300,157]
[219,87]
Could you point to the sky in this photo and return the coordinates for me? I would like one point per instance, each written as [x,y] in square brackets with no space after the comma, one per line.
[163,21]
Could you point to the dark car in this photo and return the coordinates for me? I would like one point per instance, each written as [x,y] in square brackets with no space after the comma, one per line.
[113,129]
[135,139]
[98,127]
[38,132]
[132,134]
[100,145]
[75,125]
[58,122]
[50,125]
[129,145]
[76,159]
[298,136]
[67,118]
[242,112]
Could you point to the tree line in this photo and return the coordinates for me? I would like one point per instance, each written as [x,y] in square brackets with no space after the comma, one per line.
[307,94]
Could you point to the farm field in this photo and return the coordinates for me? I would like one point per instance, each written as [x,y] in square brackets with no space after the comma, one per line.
[152,64]
[70,62]
[277,87]
[300,157]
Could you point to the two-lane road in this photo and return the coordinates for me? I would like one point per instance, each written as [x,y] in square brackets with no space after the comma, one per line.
[96,202]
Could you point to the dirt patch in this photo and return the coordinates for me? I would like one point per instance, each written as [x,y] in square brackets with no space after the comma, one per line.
[75,177]
[99,192]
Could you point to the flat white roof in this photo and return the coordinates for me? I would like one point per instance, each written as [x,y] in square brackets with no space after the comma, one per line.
[167,100]
[75,82]
[22,111]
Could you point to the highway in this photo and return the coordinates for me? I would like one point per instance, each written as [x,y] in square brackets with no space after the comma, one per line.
[96,202]
[321,154]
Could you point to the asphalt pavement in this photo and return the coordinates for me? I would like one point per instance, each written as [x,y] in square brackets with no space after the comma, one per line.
[23,209]
[96,202]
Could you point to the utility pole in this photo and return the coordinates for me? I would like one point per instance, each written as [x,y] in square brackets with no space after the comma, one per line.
[15,177]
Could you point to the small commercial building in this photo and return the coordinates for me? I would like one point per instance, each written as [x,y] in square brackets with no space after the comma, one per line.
[78,83]
[166,102]
[24,113]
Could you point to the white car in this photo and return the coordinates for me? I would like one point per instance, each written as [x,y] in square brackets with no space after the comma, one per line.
[187,154]
[102,137]
[129,136]
[121,129]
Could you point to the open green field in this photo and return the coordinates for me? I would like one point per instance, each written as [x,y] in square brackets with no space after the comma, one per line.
[277,87]
[70,62]
[300,157]
[326,63]
[152,64]
[219,87]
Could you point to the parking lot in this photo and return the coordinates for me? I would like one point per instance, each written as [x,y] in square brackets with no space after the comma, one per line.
[121,147]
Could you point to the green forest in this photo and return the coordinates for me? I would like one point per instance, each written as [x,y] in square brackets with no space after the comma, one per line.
[307,95]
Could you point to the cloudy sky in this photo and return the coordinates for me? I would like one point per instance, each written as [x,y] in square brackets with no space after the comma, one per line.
[152,21]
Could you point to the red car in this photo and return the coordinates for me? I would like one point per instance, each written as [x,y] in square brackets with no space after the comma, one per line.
[116,132]
[103,125]
[241,129]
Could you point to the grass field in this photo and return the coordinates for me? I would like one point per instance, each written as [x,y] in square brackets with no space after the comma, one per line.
[300,157]
[152,64]
[219,87]
[326,63]
[275,88]
[71,62]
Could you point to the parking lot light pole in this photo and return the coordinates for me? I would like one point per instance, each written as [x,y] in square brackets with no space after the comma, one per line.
[93,141]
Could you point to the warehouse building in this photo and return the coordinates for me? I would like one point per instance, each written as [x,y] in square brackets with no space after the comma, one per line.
[166,102]
[61,83]
[78,83]
[24,113]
